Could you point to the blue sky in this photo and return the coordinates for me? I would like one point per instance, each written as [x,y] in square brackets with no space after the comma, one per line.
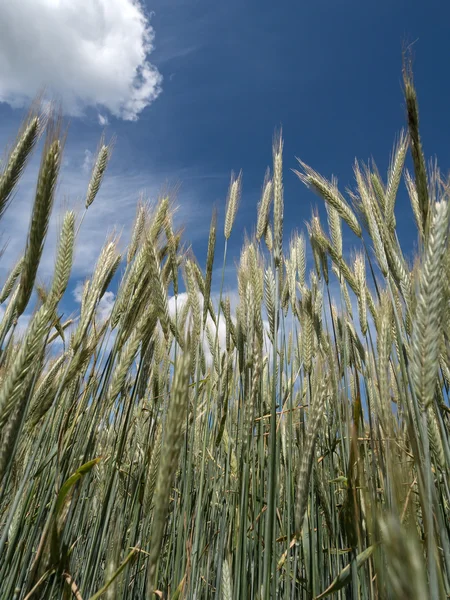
[328,72]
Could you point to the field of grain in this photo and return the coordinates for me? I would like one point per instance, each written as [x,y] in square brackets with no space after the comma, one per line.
[295,445]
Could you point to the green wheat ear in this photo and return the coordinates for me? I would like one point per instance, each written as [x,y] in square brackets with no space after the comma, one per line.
[11,280]
[64,259]
[427,329]
[420,171]
[234,194]
[18,158]
[278,198]
[42,208]
[264,206]
[209,264]
[330,193]
[101,162]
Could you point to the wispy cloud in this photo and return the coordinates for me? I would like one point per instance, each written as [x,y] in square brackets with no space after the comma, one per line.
[88,53]
[114,209]
[88,161]
[103,120]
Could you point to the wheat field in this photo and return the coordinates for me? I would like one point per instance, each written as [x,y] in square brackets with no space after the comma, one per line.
[294,444]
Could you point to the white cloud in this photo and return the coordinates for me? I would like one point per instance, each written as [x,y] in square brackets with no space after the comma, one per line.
[103,120]
[176,306]
[89,53]
[105,306]
[77,291]
[88,160]
[177,303]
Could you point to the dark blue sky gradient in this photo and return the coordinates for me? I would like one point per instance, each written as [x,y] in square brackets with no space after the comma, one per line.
[328,72]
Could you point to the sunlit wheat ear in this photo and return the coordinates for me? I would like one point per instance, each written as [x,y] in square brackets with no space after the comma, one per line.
[229,324]
[10,314]
[367,202]
[170,452]
[319,238]
[243,280]
[243,274]
[301,259]
[269,296]
[360,276]
[278,198]
[153,470]
[284,297]
[307,339]
[44,394]
[268,237]
[315,248]
[138,228]
[358,351]
[249,315]
[427,323]
[209,263]
[159,217]
[129,284]
[234,194]
[256,273]
[93,291]
[14,385]
[200,280]
[383,234]
[329,192]
[64,260]
[173,241]
[109,273]
[11,280]
[43,203]
[418,157]
[264,206]
[227,588]
[212,346]
[334,225]
[17,160]
[394,177]
[98,171]
[194,303]
[384,343]
[378,186]
[291,273]
[12,428]
[160,293]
